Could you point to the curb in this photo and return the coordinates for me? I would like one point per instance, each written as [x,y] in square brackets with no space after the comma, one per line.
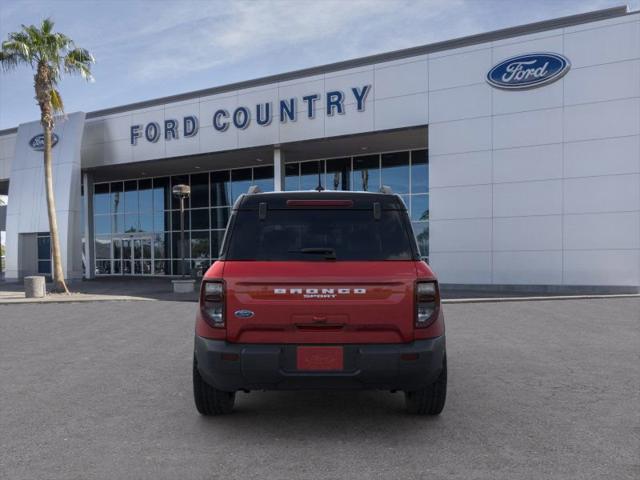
[538,299]
[45,300]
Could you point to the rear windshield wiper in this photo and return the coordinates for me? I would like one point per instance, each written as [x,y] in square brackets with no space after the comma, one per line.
[329,253]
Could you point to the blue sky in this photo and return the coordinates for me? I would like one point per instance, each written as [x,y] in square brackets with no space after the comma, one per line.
[149,49]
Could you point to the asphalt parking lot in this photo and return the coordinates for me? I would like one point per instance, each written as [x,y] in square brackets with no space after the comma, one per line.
[544,389]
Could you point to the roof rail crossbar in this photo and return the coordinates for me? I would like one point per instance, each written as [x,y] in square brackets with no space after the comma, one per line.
[386,190]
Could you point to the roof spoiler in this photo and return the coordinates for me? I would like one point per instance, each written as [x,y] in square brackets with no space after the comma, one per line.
[386,190]
[253,189]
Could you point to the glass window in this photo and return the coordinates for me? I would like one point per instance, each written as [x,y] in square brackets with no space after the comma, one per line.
[101,198]
[200,219]
[420,207]
[200,245]
[175,220]
[200,266]
[117,198]
[292,176]
[366,173]
[117,223]
[44,247]
[309,178]
[162,267]
[240,182]
[219,217]
[103,247]
[216,242]
[179,180]
[161,221]
[131,204]
[303,234]
[395,171]
[160,245]
[44,266]
[263,178]
[421,231]
[146,222]
[419,171]
[103,267]
[161,194]
[102,224]
[200,190]
[339,174]
[145,195]
[131,222]
[220,191]
[117,248]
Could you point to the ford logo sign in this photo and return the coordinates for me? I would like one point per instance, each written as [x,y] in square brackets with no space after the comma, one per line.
[243,313]
[37,142]
[528,71]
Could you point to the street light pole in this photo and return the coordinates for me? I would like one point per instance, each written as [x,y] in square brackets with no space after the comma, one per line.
[182,192]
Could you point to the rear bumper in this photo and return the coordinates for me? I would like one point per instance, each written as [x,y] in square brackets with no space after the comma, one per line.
[232,366]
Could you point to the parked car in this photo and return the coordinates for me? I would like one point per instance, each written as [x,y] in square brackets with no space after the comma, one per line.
[319,290]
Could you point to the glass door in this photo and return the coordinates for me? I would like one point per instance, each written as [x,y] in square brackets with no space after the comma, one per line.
[132,256]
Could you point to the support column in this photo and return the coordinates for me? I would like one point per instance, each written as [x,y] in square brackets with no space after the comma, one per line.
[278,170]
[87,221]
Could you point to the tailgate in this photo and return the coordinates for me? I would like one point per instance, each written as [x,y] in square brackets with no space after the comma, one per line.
[319,302]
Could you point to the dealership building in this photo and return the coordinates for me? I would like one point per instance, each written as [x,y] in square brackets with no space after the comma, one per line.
[516,152]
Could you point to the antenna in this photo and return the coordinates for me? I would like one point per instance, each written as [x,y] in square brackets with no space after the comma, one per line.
[319,188]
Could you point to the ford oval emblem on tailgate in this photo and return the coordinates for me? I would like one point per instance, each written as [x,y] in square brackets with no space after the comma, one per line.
[243,313]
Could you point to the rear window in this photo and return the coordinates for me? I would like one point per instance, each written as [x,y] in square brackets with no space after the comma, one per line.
[305,234]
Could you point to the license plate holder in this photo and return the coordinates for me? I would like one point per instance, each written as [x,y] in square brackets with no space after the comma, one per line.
[320,359]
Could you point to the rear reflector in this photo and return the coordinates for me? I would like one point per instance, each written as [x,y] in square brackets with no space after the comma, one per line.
[230,357]
[409,356]
[319,203]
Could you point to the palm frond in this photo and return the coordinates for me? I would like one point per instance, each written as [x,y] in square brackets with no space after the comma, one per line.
[56,101]
[79,61]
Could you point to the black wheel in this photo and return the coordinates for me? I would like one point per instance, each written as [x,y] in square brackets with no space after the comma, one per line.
[209,400]
[429,400]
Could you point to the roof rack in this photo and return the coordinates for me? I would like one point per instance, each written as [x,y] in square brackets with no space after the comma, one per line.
[386,190]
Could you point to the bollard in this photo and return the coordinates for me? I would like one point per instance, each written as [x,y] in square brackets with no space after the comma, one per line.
[34,287]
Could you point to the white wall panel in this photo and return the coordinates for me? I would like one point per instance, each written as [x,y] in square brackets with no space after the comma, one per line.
[540,232]
[603,45]
[212,140]
[527,198]
[527,128]
[460,136]
[460,235]
[616,193]
[602,82]
[602,267]
[398,80]
[399,112]
[601,120]
[540,162]
[351,122]
[345,82]
[302,129]
[549,96]
[608,156]
[472,168]
[456,70]
[602,231]
[462,267]
[460,202]
[527,268]
[459,103]
[548,41]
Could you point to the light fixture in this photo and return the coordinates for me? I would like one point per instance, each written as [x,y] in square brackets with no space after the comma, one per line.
[197,167]
[259,160]
[364,148]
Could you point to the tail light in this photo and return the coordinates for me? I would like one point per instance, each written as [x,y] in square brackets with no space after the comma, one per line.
[427,303]
[212,302]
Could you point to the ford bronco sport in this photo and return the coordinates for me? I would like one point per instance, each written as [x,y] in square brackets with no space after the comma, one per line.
[319,290]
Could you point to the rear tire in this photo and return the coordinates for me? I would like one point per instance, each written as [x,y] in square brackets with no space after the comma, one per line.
[210,400]
[431,399]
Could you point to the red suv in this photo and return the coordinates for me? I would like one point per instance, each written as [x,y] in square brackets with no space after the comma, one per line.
[319,290]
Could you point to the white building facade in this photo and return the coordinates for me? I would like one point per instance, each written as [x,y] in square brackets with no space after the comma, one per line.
[517,153]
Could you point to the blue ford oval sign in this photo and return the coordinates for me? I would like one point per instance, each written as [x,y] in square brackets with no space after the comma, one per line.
[37,142]
[528,71]
[243,313]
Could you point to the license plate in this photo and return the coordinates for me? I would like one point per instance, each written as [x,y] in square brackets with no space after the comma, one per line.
[320,359]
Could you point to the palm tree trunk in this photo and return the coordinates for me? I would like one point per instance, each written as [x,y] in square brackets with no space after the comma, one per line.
[59,284]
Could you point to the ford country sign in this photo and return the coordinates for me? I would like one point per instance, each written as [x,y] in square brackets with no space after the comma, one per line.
[37,142]
[528,71]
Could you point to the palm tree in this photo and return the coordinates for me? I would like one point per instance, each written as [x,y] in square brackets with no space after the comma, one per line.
[50,55]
